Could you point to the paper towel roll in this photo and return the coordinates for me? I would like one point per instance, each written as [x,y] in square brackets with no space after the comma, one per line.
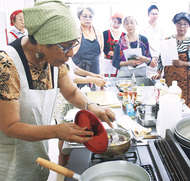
[170,113]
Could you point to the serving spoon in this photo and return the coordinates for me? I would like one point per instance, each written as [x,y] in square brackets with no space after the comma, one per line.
[115,137]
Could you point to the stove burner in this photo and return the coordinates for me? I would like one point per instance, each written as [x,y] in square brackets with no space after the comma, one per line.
[129,156]
[150,171]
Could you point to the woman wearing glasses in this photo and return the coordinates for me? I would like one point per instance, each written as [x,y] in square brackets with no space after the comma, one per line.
[32,68]
[180,70]
[91,42]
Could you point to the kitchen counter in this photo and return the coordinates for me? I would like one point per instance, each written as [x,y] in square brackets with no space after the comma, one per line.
[144,153]
[147,93]
[119,112]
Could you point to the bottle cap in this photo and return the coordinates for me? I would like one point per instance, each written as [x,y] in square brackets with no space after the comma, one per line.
[162,80]
[174,83]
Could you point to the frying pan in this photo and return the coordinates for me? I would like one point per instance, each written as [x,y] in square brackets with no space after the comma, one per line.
[119,150]
[106,171]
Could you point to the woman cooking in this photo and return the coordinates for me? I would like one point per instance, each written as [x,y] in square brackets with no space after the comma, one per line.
[179,71]
[132,53]
[91,42]
[111,36]
[31,70]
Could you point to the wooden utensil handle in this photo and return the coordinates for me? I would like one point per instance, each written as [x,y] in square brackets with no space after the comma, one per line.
[55,167]
[151,136]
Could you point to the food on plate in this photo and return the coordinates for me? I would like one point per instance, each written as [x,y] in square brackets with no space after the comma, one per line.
[124,84]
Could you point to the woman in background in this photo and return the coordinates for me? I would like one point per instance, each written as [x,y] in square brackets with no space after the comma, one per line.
[91,42]
[179,71]
[135,42]
[111,36]
[18,30]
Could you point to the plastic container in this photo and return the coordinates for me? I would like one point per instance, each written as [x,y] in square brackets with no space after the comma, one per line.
[129,108]
[175,89]
[160,89]
[169,114]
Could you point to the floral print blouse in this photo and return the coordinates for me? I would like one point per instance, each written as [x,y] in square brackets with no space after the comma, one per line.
[10,81]
[123,45]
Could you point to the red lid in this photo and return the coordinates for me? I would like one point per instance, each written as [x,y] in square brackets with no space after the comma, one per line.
[88,119]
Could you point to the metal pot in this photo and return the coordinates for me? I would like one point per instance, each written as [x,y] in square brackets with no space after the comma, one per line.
[116,151]
[107,171]
[182,132]
[120,83]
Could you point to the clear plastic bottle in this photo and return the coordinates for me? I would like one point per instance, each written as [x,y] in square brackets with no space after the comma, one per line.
[129,107]
[175,89]
[160,89]
[125,97]
[170,113]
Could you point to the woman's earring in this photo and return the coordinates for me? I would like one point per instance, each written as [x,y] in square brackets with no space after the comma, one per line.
[39,55]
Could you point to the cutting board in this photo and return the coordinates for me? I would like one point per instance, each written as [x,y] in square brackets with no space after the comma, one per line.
[104,98]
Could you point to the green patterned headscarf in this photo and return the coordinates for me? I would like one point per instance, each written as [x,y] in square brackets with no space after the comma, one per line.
[50,22]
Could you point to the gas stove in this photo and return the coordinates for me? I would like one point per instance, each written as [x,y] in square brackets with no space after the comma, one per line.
[163,159]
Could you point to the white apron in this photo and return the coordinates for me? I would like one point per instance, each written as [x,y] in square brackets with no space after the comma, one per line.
[18,157]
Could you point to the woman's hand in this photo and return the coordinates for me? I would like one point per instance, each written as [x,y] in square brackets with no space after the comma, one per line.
[157,76]
[134,62]
[154,62]
[179,63]
[99,82]
[111,53]
[96,75]
[144,59]
[71,132]
[104,113]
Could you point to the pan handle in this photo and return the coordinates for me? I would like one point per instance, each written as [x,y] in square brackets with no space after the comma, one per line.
[57,168]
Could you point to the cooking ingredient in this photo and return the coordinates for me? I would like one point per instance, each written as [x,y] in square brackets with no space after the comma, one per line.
[175,89]
[160,89]
[125,97]
[127,102]
[120,94]
[122,139]
[125,84]
[129,107]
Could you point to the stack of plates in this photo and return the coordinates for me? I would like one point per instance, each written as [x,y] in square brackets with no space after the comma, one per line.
[182,134]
